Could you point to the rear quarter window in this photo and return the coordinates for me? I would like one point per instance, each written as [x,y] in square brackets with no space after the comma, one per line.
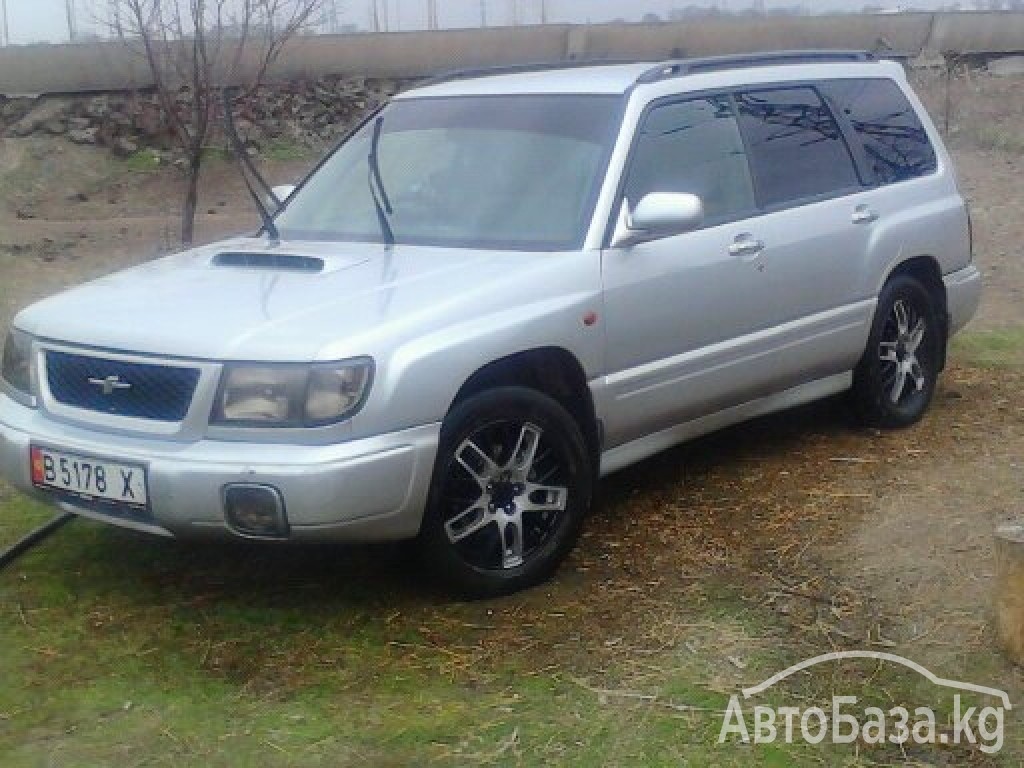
[795,146]
[895,142]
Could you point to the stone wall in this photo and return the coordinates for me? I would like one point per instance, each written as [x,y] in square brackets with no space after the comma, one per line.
[308,113]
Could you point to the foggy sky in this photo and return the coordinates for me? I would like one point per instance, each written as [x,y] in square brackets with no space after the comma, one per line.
[45,20]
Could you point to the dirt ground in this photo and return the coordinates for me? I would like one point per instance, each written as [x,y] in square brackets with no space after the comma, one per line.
[852,538]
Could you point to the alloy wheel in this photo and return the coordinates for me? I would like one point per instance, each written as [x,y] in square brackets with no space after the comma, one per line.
[503,493]
[902,372]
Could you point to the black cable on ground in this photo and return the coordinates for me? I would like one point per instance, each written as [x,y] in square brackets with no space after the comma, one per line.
[11,554]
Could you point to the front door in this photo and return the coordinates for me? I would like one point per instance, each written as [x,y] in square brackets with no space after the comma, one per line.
[747,305]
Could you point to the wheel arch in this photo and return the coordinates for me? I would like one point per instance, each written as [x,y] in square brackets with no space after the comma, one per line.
[553,371]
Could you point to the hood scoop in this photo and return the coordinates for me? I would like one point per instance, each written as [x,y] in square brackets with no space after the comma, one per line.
[285,262]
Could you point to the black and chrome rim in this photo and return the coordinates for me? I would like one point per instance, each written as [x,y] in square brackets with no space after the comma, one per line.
[504,494]
[902,373]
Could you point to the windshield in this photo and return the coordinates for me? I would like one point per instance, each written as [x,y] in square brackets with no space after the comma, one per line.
[496,172]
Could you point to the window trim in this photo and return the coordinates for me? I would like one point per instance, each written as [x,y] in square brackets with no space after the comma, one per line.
[627,167]
[730,93]
[854,143]
[798,202]
[876,181]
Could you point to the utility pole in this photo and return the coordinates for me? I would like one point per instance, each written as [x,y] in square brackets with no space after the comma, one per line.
[114,18]
[483,14]
[5,39]
[69,9]
[513,12]
[332,21]
[543,11]
[431,14]
[379,21]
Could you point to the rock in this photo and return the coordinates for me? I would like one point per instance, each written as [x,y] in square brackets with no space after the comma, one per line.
[120,119]
[106,133]
[98,107]
[45,111]
[83,136]
[56,127]
[77,197]
[312,112]
[149,121]
[123,147]
[16,108]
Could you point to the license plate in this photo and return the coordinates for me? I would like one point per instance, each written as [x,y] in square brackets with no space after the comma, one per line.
[88,477]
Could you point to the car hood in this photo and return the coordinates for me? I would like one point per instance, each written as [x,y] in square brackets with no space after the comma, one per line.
[189,305]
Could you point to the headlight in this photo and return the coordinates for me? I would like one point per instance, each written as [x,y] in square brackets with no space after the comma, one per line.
[16,368]
[291,395]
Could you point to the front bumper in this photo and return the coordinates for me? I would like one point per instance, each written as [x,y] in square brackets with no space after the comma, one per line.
[369,489]
[963,295]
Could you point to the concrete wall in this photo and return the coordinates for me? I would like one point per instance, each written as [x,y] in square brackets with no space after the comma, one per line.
[905,33]
[971,33]
[109,66]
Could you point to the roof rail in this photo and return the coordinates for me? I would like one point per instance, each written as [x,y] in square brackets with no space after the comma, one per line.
[682,67]
[518,69]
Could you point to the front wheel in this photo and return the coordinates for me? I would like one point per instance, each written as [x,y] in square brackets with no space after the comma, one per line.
[895,380]
[512,483]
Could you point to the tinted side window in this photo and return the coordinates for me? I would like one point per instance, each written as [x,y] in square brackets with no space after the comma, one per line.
[693,146]
[795,146]
[896,144]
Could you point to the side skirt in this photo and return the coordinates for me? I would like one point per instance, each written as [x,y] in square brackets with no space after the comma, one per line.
[637,450]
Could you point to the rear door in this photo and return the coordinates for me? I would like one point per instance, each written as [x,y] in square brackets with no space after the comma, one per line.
[816,213]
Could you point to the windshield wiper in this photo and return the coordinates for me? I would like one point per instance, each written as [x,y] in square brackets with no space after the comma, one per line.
[247,168]
[380,196]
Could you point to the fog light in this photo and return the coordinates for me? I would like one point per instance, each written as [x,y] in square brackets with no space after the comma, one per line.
[255,510]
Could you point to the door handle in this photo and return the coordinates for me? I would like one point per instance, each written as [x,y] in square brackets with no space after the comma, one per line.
[864,215]
[745,245]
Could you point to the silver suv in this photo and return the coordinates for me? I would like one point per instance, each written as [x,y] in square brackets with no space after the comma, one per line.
[499,288]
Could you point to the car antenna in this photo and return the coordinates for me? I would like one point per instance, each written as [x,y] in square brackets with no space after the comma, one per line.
[249,172]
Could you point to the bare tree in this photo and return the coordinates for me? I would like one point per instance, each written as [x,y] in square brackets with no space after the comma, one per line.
[197,47]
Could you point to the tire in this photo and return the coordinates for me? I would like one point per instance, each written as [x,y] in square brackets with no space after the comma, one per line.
[511,486]
[894,381]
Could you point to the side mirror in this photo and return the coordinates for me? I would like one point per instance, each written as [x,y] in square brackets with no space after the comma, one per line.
[282,192]
[658,215]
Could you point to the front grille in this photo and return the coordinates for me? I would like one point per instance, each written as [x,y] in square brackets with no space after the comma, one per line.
[140,390]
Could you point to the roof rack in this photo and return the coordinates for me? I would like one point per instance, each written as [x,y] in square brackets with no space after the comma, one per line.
[682,67]
[519,69]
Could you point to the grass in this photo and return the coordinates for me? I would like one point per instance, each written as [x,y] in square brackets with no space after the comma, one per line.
[283,150]
[120,648]
[109,656]
[991,348]
[144,160]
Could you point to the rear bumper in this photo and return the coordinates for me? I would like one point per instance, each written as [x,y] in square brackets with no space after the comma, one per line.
[963,295]
[370,489]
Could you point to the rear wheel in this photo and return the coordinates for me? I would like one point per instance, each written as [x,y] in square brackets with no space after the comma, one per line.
[511,486]
[895,380]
